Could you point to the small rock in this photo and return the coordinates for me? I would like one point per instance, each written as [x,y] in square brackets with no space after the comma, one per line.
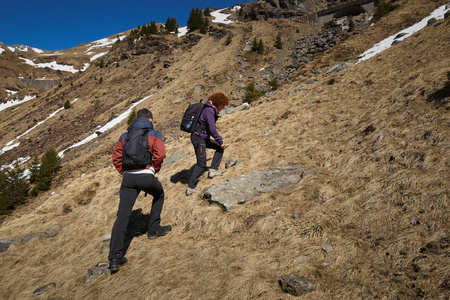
[4,244]
[292,92]
[173,158]
[271,93]
[99,269]
[431,21]
[44,288]
[327,248]
[339,67]
[197,89]
[29,237]
[296,285]
[178,100]
[231,162]
[51,233]
[106,237]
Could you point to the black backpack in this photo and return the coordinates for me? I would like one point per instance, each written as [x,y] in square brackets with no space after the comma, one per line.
[190,117]
[135,154]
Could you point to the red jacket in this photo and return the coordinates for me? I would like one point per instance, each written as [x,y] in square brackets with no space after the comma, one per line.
[155,144]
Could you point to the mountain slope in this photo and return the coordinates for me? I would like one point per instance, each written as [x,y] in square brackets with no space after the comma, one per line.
[378,131]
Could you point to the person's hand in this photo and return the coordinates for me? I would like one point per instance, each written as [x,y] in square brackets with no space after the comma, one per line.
[223,146]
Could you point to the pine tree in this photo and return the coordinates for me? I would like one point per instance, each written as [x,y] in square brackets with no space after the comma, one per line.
[207,13]
[255,45]
[13,189]
[43,176]
[260,47]
[67,104]
[195,20]
[172,25]
[278,44]
[153,29]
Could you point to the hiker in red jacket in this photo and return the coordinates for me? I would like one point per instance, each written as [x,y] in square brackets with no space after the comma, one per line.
[201,140]
[135,180]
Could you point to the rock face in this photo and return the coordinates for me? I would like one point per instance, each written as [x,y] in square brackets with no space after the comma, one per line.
[238,190]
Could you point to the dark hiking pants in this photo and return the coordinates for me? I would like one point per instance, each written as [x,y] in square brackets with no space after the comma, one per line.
[132,184]
[200,146]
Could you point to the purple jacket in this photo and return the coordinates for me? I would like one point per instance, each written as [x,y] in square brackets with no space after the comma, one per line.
[207,120]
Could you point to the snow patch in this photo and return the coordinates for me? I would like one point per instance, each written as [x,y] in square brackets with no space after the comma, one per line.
[387,43]
[219,17]
[105,127]
[52,65]
[15,102]
[98,55]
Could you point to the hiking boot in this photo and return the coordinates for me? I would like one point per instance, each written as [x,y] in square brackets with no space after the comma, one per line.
[116,263]
[190,191]
[214,173]
[163,230]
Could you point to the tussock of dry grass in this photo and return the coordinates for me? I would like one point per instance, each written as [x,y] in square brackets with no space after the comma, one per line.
[383,154]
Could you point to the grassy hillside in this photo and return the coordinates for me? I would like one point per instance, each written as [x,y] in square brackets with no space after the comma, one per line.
[378,131]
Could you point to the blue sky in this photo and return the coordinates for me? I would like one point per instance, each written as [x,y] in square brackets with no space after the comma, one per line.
[63,24]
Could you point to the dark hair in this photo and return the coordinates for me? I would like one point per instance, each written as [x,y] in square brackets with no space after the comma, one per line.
[219,99]
[145,113]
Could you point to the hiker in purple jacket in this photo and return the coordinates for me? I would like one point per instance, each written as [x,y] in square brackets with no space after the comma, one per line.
[202,140]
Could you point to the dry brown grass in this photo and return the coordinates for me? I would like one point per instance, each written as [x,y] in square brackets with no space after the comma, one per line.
[373,189]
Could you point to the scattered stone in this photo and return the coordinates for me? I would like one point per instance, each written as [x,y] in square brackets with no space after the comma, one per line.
[327,248]
[103,248]
[292,92]
[401,34]
[4,244]
[231,162]
[233,109]
[29,236]
[178,100]
[44,288]
[295,285]
[106,237]
[94,272]
[266,134]
[240,189]
[197,89]
[301,260]
[339,67]
[431,21]
[310,100]
[91,147]
[166,64]
[9,255]
[51,233]
[271,93]
[173,158]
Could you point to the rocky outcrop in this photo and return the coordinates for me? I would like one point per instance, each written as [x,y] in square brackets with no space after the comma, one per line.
[240,189]
[42,85]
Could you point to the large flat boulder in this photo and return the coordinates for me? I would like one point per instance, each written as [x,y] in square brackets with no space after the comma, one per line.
[240,189]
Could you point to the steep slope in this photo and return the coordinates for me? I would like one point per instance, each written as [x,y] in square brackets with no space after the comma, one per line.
[378,131]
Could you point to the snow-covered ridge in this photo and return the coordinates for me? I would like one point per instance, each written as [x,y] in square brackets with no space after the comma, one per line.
[24,48]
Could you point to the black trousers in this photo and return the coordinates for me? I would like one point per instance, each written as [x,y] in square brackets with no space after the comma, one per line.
[200,146]
[131,186]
